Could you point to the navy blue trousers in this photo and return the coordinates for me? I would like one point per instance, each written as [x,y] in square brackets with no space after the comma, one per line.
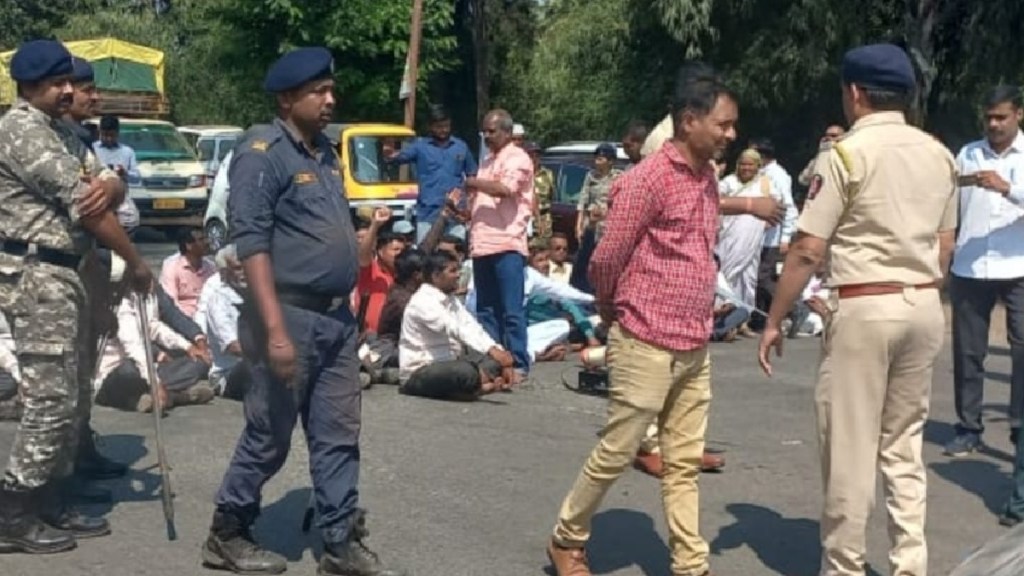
[327,398]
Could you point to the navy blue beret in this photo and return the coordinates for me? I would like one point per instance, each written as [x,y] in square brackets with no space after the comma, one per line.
[607,150]
[39,59]
[298,67]
[880,66]
[82,71]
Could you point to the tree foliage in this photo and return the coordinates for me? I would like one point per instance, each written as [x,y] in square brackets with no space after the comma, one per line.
[568,69]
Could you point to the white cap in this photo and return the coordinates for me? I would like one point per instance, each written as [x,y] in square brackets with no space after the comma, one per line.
[518,130]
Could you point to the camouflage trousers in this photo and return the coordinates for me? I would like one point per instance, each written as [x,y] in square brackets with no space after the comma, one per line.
[542,226]
[45,306]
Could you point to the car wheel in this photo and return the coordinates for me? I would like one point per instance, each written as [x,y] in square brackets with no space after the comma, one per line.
[216,234]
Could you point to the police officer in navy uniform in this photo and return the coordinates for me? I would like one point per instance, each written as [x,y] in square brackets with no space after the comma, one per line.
[291,225]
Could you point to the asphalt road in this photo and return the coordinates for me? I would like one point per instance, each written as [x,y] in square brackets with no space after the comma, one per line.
[459,489]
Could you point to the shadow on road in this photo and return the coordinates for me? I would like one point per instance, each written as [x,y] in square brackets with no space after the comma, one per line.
[982,478]
[784,545]
[789,546]
[139,484]
[279,527]
[625,538]
[999,351]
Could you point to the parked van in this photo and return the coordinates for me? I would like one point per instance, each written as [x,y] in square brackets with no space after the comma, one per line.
[172,188]
[212,144]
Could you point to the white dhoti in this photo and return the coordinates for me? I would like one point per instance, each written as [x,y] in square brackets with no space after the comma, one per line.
[544,334]
[740,239]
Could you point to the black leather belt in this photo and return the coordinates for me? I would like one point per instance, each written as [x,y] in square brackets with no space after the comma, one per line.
[307,301]
[43,254]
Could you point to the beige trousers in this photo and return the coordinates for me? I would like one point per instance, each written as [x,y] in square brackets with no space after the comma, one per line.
[647,383]
[872,400]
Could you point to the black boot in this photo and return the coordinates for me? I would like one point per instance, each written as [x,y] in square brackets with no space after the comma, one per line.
[21,530]
[58,512]
[93,465]
[230,546]
[353,557]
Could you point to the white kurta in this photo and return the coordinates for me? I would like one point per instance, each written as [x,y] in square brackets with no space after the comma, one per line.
[740,238]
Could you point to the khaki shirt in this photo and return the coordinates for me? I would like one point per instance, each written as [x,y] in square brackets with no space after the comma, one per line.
[881,195]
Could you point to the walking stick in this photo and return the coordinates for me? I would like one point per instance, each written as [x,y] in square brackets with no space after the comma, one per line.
[154,385]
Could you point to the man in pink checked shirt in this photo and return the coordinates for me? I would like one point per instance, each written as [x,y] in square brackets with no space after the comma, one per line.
[654,275]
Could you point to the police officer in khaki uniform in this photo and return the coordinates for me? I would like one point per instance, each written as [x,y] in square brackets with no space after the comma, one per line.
[883,203]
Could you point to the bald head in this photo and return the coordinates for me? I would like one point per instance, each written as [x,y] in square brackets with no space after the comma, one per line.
[497,129]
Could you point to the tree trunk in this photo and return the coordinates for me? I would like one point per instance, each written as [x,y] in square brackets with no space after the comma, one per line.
[920,20]
[480,61]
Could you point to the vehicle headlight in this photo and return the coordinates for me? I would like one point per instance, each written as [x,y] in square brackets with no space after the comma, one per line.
[197,181]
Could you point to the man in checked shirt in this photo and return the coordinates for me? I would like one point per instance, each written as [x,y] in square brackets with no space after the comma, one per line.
[654,275]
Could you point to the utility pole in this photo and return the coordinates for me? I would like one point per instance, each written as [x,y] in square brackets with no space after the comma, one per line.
[412,64]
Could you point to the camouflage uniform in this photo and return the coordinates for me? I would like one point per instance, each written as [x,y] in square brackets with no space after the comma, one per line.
[45,303]
[544,188]
[96,281]
[594,194]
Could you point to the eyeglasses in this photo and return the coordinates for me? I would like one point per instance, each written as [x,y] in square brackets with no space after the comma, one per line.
[559,248]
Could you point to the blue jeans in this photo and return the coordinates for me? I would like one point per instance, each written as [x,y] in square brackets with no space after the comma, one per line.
[422,228]
[729,322]
[500,301]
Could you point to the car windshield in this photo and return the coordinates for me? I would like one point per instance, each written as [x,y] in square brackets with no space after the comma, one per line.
[156,142]
[368,165]
[571,183]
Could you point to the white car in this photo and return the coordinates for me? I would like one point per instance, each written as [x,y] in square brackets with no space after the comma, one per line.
[216,220]
[212,144]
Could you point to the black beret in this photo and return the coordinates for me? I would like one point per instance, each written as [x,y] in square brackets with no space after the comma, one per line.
[82,71]
[880,66]
[39,59]
[298,67]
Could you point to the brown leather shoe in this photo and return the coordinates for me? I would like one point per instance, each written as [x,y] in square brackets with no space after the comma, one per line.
[712,462]
[652,465]
[568,561]
[649,464]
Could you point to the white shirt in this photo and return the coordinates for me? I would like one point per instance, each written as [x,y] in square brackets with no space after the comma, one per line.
[990,245]
[540,285]
[783,183]
[8,352]
[128,346]
[561,273]
[218,317]
[435,327]
[122,155]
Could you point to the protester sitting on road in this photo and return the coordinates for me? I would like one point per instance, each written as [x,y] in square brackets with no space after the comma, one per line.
[551,322]
[380,355]
[558,255]
[182,277]
[218,308]
[10,375]
[436,328]
[377,252]
[122,379]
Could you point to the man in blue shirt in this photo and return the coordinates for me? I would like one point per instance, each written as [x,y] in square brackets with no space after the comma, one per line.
[442,164]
